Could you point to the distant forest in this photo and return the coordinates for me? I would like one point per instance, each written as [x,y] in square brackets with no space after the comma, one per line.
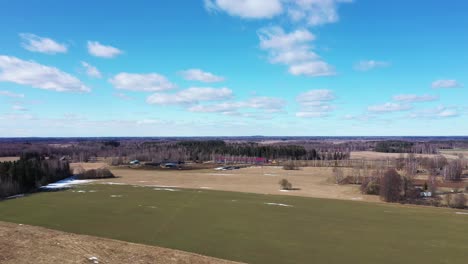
[29,173]
[200,149]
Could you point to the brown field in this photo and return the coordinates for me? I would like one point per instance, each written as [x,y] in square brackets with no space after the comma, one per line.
[309,181]
[22,244]
[371,155]
[2,159]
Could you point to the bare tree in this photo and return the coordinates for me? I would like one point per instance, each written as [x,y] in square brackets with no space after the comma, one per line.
[338,175]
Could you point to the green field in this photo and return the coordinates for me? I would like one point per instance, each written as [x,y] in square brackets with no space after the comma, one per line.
[239,226]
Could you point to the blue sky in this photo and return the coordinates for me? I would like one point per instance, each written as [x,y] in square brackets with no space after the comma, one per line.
[233,67]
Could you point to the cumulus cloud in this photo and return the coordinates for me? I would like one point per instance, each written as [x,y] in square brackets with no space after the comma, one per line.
[413,98]
[11,94]
[91,70]
[251,9]
[389,107]
[294,50]
[192,95]
[446,84]
[35,43]
[151,82]
[315,103]
[18,107]
[310,12]
[201,76]
[436,113]
[367,65]
[30,73]
[97,49]
[261,103]
[314,12]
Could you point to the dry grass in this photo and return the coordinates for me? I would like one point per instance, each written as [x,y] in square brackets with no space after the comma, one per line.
[371,155]
[310,181]
[28,244]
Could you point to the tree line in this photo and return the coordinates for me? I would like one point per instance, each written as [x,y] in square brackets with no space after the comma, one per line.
[29,173]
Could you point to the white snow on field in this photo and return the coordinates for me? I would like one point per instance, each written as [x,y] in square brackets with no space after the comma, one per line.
[15,196]
[356,198]
[461,213]
[114,183]
[284,190]
[94,260]
[279,204]
[165,189]
[116,196]
[203,187]
[65,183]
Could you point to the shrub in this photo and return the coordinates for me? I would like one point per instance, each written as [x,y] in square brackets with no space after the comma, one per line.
[390,186]
[285,184]
[459,201]
[96,174]
[370,185]
[290,166]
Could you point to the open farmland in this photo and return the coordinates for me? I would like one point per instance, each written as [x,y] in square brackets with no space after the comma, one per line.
[253,228]
[23,244]
[372,155]
[309,181]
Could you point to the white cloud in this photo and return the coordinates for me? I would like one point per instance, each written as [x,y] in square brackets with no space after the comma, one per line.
[294,50]
[315,103]
[252,9]
[446,84]
[389,107]
[39,76]
[35,43]
[413,98]
[436,113]
[91,70]
[312,68]
[11,94]
[314,12]
[97,49]
[316,95]
[367,65]
[202,76]
[262,103]
[311,114]
[18,107]
[192,95]
[151,82]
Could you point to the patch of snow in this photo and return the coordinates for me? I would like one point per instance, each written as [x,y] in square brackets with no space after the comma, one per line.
[15,196]
[165,189]
[356,198]
[81,191]
[284,190]
[279,204]
[203,187]
[115,196]
[461,213]
[94,260]
[114,183]
[65,183]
